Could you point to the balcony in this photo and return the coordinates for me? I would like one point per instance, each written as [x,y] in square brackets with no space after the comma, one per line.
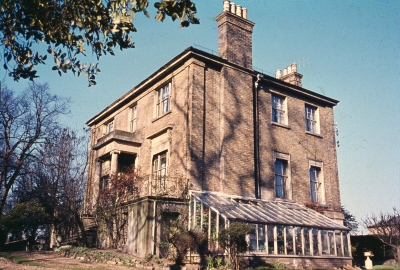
[119,136]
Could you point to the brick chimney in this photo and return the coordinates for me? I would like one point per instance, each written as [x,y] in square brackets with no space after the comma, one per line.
[235,35]
[290,75]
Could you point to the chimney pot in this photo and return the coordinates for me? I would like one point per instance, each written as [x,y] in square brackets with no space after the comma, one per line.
[294,67]
[244,13]
[284,71]
[278,73]
[233,8]
[239,11]
[226,5]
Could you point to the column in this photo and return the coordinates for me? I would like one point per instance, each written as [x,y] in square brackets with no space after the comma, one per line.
[114,162]
[96,183]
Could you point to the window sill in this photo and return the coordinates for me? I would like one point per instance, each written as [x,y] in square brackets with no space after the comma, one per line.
[161,116]
[283,199]
[314,134]
[280,125]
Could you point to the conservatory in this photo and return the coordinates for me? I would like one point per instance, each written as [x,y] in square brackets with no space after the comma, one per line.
[281,228]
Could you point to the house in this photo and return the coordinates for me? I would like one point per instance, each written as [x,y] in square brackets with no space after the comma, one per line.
[248,146]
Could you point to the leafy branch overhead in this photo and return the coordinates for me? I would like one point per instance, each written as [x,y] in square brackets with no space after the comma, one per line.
[68,27]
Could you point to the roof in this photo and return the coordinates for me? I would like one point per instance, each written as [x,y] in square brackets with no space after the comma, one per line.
[200,54]
[265,212]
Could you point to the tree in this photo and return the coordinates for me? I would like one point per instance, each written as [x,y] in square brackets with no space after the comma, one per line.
[26,120]
[56,178]
[349,220]
[233,239]
[386,226]
[110,210]
[26,218]
[66,26]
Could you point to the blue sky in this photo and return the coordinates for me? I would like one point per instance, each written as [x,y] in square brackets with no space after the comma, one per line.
[348,50]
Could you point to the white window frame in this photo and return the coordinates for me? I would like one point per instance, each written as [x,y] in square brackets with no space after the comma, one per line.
[312,119]
[109,127]
[159,172]
[319,182]
[279,109]
[163,99]
[133,123]
[285,158]
[104,179]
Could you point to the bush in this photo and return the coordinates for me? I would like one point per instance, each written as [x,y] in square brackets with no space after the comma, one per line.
[233,239]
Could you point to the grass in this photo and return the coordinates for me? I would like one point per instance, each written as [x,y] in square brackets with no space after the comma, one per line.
[24,261]
[386,267]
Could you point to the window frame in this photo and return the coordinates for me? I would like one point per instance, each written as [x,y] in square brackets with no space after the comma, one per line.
[104,182]
[319,182]
[287,187]
[312,119]
[109,127]
[163,99]
[279,115]
[159,174]
[133,116]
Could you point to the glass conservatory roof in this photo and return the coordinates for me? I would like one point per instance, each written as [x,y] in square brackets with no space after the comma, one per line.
[265,212]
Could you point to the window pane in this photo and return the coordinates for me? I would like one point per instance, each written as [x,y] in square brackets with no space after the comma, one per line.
[198,215]
[289,240]
[307,241]
[298,241]
[192,212]
[314,171]
[280,178]
[331,243]
[338,239]
[205,218]
[213,235]
[345,244]
[280,239]
[324,239]
[315,242]
[278,112]
[270,235]
[261,238]
[253,238]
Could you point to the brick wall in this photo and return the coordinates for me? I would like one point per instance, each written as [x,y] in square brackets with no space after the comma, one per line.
[300,145]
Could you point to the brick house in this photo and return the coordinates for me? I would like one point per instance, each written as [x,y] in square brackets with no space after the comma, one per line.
[250,147]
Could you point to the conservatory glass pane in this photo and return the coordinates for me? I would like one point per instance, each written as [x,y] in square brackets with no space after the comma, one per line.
[298,241]
[338,238]
[331,243]
[253,238]
[324,239]
[289,240]
[261,238]
[345,244]
[213,234]
[270,236]
[205,217]
[280,239]
[307,241]
[315,242]
[197,221]
[193,214]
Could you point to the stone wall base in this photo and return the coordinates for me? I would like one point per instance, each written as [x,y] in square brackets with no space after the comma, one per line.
[297,262]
